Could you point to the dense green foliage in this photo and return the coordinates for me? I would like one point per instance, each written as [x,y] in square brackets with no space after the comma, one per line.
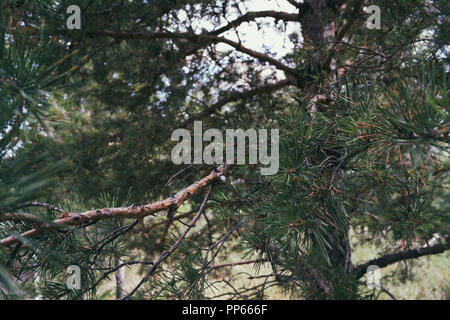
[86,119]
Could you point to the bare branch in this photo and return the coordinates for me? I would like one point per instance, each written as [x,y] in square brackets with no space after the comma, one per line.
[250,16]
[269,88]
[124,212]
[41,205]
[351,21]
[207,38]
[118,267]
[235,96]
[167,253]
[392,258]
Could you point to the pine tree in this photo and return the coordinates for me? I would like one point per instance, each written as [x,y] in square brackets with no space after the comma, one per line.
[29,71]
[86,120]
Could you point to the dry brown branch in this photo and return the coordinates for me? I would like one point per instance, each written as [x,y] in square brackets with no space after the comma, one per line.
[137,212]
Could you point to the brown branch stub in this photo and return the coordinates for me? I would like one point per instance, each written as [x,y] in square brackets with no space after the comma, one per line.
[74,219]
[42,205]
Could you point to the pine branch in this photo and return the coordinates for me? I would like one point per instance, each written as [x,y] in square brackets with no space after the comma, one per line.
[21,217]
[392,258]
[205,38]
[236,96]
[295,3]
[251,16]
[167,253]
[118,267]
[110,238]
[238,263]
[136,212]
[41,205]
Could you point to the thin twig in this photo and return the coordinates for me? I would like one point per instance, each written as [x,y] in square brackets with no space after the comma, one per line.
[167,253]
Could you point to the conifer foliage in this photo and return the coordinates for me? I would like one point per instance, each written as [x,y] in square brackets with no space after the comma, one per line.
[86,178]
